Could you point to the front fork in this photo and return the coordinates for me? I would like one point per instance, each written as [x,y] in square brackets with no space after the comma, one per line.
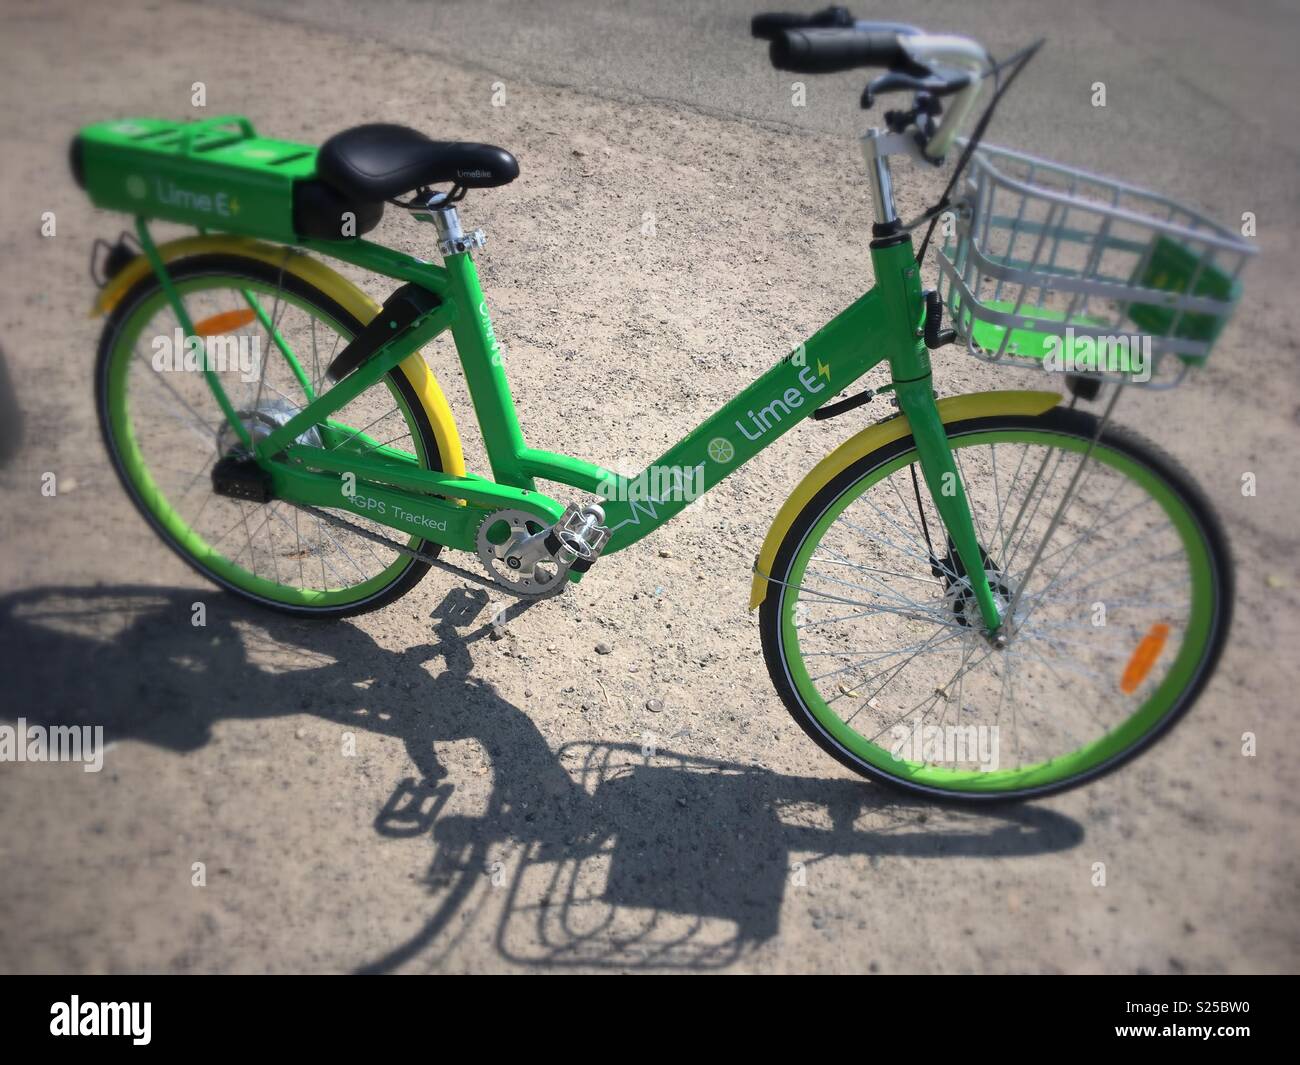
[916,401]
[898,277]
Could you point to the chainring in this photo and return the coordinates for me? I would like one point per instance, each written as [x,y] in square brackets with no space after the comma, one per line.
[520,562]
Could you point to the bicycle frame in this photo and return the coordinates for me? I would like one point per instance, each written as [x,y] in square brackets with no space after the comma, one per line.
[884,325]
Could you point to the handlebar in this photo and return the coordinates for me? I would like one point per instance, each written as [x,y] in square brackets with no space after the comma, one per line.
[767,27]
[828,51]
[831,41]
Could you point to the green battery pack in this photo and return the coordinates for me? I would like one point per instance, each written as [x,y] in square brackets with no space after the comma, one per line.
[217,174]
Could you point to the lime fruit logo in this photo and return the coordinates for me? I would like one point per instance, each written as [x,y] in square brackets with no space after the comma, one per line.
[720,449]
[136,187]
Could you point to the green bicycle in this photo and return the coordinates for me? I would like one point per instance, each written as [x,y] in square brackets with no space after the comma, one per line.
[988,596]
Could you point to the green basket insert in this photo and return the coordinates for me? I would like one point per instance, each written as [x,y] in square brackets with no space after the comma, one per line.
[1170,268]
[1117,356]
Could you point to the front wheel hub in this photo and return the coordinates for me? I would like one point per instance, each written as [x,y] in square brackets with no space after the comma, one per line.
[965,608]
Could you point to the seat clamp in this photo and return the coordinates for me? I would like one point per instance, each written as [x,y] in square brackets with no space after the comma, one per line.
[452,240]
[455,245]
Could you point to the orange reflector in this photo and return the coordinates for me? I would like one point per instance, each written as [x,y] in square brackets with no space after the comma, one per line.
[223,323]
[1144,657]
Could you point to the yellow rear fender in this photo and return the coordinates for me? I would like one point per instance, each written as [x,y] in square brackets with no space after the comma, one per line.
[333,285]
[952,409]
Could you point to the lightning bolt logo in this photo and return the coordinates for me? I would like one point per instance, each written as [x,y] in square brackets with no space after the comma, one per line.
[823,370]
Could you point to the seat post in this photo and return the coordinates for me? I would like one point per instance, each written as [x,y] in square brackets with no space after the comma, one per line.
[447,219]
[451,238]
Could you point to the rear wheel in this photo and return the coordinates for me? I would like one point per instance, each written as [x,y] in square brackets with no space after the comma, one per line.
[872,637]
[165,430]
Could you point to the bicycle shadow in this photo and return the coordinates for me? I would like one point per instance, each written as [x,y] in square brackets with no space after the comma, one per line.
[594,855]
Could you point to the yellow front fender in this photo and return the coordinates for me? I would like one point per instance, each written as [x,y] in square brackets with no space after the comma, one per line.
[321,277]
[952,409]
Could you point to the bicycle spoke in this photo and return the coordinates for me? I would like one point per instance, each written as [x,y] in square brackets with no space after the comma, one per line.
[297,345]
[887,645]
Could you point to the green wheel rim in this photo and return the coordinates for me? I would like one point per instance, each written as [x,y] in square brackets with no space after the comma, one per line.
[186,538]
[1084,760]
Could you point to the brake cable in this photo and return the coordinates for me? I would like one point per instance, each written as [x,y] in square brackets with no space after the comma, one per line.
[1017,62]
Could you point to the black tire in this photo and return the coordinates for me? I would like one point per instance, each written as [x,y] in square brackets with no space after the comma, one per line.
[1073,422]
[266,273]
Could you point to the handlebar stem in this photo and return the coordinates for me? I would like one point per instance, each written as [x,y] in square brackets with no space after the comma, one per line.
[882,181]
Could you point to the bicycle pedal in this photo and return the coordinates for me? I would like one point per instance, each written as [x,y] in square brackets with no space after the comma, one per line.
[576,540]
[240,477]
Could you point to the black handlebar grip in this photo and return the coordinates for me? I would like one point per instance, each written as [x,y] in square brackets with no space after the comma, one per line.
[766,27]
[828,51]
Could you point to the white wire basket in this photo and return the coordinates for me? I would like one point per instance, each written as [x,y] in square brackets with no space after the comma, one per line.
[1066,270]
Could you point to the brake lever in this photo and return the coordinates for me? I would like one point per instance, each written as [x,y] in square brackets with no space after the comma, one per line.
[897,81]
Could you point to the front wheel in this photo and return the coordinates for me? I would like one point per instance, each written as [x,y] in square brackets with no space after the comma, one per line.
[873,640]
